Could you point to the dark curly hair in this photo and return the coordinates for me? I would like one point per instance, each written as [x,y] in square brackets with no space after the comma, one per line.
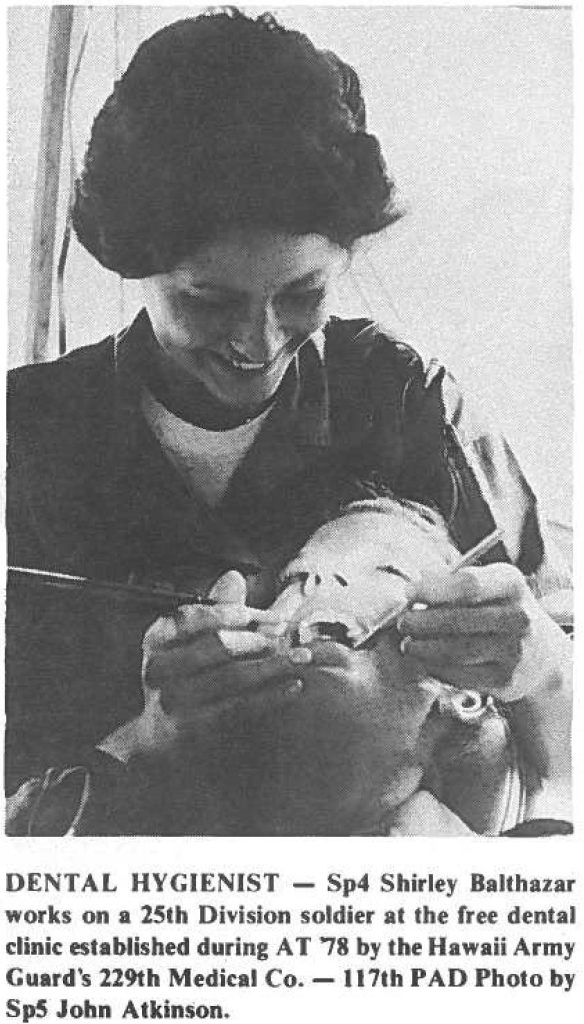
[224,120]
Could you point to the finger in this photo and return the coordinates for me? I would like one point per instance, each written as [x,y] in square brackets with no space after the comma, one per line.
[230,588]
[193,619]
[243,644]
[487,678]
[238,676]
[207,651]
[161,665]
[511,620]
[236,616]
[338,667]
[267,697]
[327,653]
[288,601]
[232,681]
[208,654]
[471,586]
[474,649]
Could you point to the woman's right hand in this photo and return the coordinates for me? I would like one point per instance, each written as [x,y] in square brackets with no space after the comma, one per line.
[201,662]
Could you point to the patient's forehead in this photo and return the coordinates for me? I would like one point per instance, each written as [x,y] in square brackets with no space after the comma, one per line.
[371,535]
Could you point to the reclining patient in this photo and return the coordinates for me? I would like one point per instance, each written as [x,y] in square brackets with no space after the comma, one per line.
[356,753]
[361,735]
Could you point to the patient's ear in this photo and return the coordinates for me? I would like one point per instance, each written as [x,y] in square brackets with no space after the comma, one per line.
[230,588]
[470,767]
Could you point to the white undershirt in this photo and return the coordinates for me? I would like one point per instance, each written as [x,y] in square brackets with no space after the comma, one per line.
[205,459]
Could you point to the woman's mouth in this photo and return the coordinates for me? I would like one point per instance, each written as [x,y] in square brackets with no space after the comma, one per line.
[239,361]
[247,366]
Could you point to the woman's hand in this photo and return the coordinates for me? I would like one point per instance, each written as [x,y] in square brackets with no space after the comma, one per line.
[483,630]
[200,663]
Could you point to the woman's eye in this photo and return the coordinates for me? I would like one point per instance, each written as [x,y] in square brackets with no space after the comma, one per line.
[207,304]
[304,300]
[215,305]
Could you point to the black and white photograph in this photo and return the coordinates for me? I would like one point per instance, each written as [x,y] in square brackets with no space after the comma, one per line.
[289,504]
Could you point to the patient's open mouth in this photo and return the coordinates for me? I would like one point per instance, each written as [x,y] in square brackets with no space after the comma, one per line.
[323,629]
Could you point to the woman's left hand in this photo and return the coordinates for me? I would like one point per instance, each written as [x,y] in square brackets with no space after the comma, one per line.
[483,630]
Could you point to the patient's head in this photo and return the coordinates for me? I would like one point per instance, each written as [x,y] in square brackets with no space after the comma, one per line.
[354,744]
[357,567]
[361,736]
[357,741]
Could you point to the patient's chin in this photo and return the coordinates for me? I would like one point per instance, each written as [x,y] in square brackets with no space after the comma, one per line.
[354,803]
[329,767]
[332,761]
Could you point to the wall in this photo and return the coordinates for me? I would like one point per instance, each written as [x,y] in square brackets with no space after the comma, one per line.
[473,108]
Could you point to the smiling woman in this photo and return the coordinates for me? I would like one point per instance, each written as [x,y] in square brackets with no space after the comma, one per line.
[232,171]
[233,316]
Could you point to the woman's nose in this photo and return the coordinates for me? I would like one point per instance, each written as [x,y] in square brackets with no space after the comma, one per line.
[260,338]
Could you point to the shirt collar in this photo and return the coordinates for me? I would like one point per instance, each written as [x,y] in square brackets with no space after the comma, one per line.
[301,415]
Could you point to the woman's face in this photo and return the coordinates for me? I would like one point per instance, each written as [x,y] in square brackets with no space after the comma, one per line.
[233,316]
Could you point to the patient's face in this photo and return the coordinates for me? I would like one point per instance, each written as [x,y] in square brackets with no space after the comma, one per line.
[359,566]
[353,745]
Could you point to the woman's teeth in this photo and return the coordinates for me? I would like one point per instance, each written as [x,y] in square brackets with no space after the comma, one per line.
[239,361]
[246,366]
